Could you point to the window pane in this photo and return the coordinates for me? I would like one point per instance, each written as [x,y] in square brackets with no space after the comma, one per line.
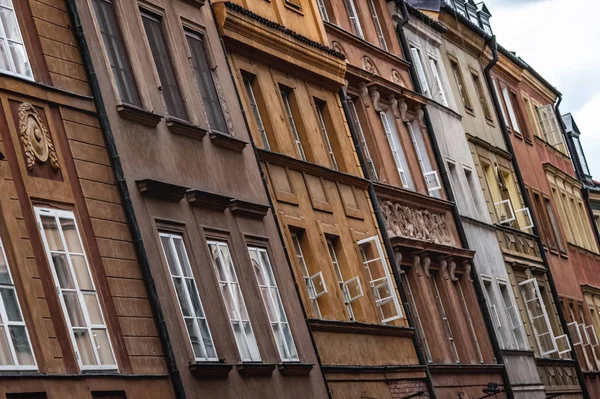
[20,342]
[182,256]
[4,273]
[71,237]
[11,305]
[86,353]
[73,309]
[168,251]
[206,84]
[62,271]
[51,232]
[82,274]
[194,338]
[168,82]
[117,56]
[5,354]
[180,289]
[14,56]
[103,347]
[93,309]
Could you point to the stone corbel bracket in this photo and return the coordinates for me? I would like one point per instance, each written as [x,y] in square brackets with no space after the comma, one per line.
[453,271]
[375,95]
[403,109]
[468,269]
[417,265]
[364,94]
[394,102]
[426,265]
[444,268]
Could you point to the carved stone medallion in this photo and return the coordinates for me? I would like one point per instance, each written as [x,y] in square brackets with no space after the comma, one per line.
[36,139]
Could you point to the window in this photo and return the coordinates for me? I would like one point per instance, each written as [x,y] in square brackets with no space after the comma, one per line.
[464,95]
[490,298]
[315,284]
[445,320]
[323,10]
[162,60]
[580,154]
[546,231]
[396,147]
[248,83]
[417,318]
[435,70]
[480,93]
[294,4]
[234,301]
[363,141]
[206,83]
[285,96]
[320,107]
[471,183]
[13,56]
[353,16]
[15,345]
[485,24]
[554,224]
[432,180]
[531,115]
[549,125]
[273,304]
[472,13]
[380,282]
[538,317]
[416,55]
[465,304]
[513,315]
[115,50]
[506,94]
[503,112]
[75,286]
[187,295]
[377,24]
[351,288]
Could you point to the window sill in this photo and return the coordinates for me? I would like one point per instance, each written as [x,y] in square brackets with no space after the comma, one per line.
[183,128]
[138,115]
[490,122]
[469,110]
[195,3]
[255,369]
[295,369]
[210,370]
[227,142]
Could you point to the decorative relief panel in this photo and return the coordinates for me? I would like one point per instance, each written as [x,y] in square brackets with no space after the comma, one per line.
[419,224]
[557,375]
[35,138]
[516,242]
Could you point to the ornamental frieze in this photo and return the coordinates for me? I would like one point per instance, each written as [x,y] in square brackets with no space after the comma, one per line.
[418,224]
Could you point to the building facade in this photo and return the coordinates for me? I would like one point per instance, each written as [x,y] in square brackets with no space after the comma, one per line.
[76,316]
[463,153]
[235,324]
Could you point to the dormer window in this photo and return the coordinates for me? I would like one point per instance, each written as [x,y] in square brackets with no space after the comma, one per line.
[472,12]
[484,18]
[459,6]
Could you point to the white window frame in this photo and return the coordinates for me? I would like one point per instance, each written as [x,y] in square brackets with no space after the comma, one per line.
[378,27]
[285,96]
[89,327]
[512,217]
[309,281]
[274,306]
[541,304]
[363,141]
[377,283]
[510,307]
[179,268]
[323,10]
[502,111]
[528,212]
[434,66]
[566,344]
[506,93]
[397,151]
[445,320]
[348,298]
[418,61]
[354,19]
[256,112]
[435,189]
[573,328]
[231,283]
[549,125]
[6,323]
[319,107]
[4,41]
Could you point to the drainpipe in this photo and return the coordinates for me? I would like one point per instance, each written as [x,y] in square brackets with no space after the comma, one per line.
[272,207]
[134,228]
[491,42]
[386,239]
[456,216]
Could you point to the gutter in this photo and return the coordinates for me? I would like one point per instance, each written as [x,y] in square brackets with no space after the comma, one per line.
[121,183]
[455,214]
[491,42]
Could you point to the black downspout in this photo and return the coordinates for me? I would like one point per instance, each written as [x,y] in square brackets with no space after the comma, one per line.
[386,240]
[491,42]
[286,251]
[128,205]
[457,219]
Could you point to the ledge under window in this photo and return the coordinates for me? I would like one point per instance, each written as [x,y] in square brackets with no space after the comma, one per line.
[205,199]
[295,369]
[161,190]
[256,369]
[195,3]
[138,115]
[249,209]
[210,370]
[227,141]
[184,128]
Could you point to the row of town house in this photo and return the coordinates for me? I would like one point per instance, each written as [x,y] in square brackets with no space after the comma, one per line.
[346,199]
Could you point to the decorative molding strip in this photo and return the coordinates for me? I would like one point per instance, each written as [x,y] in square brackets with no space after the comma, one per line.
[138,115]
[183,128]
[359,328]
[248,209]
[205,199]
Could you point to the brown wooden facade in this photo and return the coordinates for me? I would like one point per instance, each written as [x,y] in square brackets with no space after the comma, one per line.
[67,254]
[289,83]
[231,310]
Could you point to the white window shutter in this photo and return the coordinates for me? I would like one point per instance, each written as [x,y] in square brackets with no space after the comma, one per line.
[549,125]
[420,71]
[538,317]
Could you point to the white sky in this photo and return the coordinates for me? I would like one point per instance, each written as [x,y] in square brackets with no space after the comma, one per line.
[560,40]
